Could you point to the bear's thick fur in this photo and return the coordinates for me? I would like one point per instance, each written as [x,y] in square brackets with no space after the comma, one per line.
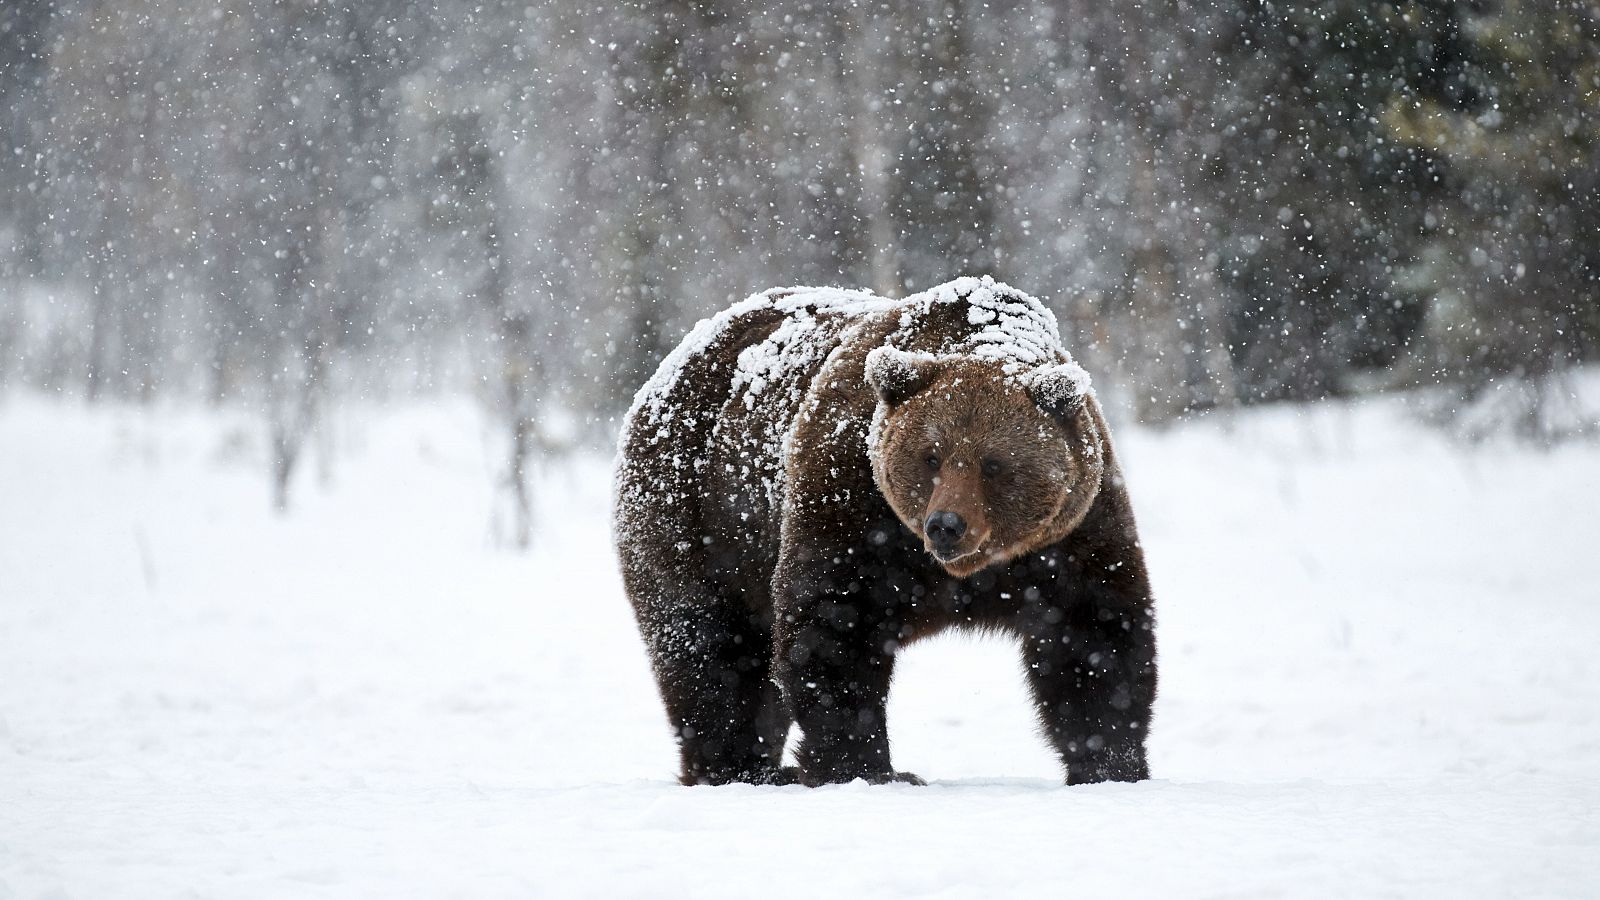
[817,477]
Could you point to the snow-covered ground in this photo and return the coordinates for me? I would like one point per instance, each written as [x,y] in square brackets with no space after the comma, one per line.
[1380,676]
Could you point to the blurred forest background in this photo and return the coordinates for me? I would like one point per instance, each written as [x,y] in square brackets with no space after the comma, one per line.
[289,205]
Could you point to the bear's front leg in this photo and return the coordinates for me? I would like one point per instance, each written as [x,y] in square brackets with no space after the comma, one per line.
[834,666]
[1093,674]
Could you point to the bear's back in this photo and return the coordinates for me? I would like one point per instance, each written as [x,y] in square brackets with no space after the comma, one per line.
[701,460]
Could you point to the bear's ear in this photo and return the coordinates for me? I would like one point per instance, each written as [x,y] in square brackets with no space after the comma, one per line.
[896,375]
[1060,389]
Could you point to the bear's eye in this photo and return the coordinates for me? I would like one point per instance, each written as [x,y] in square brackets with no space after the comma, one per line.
[932,459]
[991,468]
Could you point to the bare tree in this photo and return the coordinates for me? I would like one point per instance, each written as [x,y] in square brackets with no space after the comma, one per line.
[941,197]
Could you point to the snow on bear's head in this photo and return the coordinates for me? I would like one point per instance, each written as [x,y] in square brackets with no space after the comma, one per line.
[982,460]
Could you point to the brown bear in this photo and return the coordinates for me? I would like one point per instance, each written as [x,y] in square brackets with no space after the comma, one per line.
[817,477]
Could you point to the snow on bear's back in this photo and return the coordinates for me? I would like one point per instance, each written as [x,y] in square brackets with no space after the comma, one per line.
[812,320]
[801,307]
[1001,324]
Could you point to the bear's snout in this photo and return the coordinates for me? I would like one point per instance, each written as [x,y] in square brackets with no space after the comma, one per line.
[945,530]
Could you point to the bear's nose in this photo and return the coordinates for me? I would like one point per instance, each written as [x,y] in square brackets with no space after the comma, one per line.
[945,529]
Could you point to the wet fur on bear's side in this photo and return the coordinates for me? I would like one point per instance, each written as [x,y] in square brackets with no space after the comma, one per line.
[815,478]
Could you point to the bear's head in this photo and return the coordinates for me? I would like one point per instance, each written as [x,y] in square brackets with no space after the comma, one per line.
[983,461]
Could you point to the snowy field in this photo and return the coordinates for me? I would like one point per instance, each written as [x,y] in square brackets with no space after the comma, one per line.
[1380,677]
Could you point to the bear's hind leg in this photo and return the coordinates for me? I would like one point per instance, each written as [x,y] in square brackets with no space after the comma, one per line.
[711,659]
